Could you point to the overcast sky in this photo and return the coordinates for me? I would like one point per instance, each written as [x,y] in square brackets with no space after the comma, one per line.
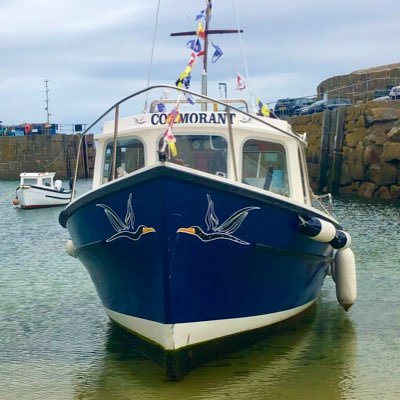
[95,52]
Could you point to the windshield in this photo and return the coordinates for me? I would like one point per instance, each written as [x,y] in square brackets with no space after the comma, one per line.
[207,153]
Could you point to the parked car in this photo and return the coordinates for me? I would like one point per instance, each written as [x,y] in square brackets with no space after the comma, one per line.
[382,98]
[394,93]
[288,107]
[324,104]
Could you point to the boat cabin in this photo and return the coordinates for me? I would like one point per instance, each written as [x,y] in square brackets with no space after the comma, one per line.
[40,179]
[248,155]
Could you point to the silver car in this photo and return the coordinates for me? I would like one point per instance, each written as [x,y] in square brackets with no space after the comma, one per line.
[394,93]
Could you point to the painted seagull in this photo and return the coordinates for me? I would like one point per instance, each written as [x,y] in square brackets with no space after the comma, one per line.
[216,230]
[125,229]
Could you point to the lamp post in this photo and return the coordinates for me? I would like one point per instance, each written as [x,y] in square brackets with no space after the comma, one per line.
[46,81]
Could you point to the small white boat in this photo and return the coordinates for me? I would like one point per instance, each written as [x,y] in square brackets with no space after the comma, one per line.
[39,189]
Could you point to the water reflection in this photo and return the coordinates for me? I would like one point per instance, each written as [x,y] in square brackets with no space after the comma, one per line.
[312,359]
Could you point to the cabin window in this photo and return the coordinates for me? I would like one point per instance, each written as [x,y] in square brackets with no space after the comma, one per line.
[204,153]
[264,166]
[129,158]
[46,182]
[29,181]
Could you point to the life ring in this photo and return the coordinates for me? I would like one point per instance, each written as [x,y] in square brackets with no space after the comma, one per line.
[28,129]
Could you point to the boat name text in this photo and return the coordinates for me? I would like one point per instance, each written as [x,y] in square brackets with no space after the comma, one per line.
[194,118]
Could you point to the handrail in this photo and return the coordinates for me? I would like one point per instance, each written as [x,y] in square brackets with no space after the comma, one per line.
[163,86]
[173,101]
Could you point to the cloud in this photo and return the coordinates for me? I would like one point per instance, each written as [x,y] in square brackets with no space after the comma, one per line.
[95,52]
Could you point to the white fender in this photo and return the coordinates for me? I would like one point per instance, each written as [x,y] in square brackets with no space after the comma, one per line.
[345,278]
[70,248]
[341,241]
[317,229]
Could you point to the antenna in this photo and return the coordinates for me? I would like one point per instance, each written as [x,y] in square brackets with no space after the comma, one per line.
[46,81]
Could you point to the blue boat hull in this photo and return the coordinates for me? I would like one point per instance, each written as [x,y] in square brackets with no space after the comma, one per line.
[259,265]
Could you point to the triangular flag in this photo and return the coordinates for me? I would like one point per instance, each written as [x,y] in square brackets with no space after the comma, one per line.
[194,45]
[200,15]
[201,33]
[240,82]
[217,53]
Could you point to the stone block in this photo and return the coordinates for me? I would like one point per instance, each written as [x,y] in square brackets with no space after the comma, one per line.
[349,126]
[367,189]
[382,174]
[383,193]
[346,189]
[372,155]
[355,163]
[356,136]
[394,134]
[345,176]
[395,191]
[391,152]
[382,114]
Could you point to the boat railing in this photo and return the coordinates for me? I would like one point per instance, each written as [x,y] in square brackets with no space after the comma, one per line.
[320,200]
[154,103]
[205,99]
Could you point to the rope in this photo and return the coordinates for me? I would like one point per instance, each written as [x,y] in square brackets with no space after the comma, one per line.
[243,54]
[7,195]
[152,54]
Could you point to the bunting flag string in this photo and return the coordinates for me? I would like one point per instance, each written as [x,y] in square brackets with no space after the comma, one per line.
[169,139]
[197,51]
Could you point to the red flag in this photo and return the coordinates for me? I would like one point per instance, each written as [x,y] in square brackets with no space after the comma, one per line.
[240,82]
[201,33]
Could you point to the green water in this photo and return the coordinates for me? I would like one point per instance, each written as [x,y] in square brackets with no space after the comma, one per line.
[57,343]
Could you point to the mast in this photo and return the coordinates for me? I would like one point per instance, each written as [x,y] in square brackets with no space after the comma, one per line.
[207,32]
[205,58]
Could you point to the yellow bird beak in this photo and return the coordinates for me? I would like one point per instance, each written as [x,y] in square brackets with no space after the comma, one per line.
[190,231]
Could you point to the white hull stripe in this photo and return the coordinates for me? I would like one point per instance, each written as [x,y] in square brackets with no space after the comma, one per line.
[176,336]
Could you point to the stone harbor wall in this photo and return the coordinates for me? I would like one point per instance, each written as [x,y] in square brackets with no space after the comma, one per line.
[355,150]
[45,153]
[369,149]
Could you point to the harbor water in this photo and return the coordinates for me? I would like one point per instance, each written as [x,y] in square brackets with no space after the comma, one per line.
[56,341]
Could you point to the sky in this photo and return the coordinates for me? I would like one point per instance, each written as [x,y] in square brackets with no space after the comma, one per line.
[95,52]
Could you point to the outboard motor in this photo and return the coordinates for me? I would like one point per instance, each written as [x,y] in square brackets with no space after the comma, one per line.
[58,185]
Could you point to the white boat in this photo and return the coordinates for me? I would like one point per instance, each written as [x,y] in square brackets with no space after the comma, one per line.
[201,228]
[39,190]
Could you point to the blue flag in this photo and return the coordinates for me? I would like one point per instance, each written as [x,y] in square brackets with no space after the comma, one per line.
[200,15]
[194,45]
[217,53]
